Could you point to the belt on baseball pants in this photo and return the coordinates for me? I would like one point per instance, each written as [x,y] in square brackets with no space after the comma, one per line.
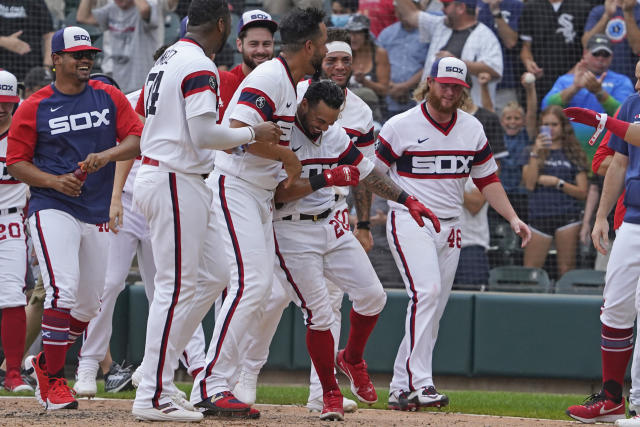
[303,217]
[8,211]
[153,162]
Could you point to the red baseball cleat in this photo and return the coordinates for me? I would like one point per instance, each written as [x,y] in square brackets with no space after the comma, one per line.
[224,404]
[332,409]
[61,396]
[361,384]
[14,382]
[597,408]
[41,376]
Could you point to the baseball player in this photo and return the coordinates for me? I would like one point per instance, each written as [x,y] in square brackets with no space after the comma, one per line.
[180,133]
[619,310]
[130,236]
[431,150]
[255,42]
[243,183]
[13,246]
[356,118]
[70,121]
[312,241]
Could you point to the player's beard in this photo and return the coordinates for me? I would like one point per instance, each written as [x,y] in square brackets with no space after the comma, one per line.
[316,63]
[435,102]
[305,127]
[250,62]
[346,81]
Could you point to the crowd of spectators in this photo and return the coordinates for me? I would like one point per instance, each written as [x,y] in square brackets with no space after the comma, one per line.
[523,57]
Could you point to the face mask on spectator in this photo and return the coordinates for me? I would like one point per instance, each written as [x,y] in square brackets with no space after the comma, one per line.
[339,20]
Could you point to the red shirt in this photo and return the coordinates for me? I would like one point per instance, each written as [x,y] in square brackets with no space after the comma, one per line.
[229,82]
[602,153]
[380,12]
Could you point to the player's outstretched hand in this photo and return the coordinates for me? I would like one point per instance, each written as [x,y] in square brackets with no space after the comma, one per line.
[342,176]
[68,184]
[522,230]
[418,210]
[93,162]
[116,213]
[582,115]
[267,133]
[600,235]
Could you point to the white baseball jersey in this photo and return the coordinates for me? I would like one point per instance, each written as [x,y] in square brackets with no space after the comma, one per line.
[128,185]
[183,78]
[13,193]
[433,162]
[267,94]
[331,149]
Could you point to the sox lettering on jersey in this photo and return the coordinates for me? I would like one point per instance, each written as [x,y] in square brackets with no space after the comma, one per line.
[80,121]
[446,165]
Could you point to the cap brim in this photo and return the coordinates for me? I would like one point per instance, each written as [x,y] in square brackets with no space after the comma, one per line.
[451,80]
[271,25]
[9,98]
[78,48]
[601,48]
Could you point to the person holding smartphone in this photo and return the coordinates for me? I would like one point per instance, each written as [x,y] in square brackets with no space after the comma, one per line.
[555,174]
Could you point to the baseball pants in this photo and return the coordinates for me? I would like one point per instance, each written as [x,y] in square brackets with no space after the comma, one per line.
[13,260]
[71,257]
[191,271]
[243,213]
[427,261]
[133,238]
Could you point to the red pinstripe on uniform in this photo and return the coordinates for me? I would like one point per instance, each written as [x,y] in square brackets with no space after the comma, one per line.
[237,298]
[414,297]
[177,238]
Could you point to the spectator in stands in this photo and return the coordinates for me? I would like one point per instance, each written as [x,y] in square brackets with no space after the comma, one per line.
[619,20]
[36,79]
[502,17]
[280,7]
[591,85]
[550,31]
[341,10]
[406,58]
[380,12]
[371,69]
[458,34]
[517,126]
[25,36]
[132,27]
[473,264]
[255,42]
[555,174]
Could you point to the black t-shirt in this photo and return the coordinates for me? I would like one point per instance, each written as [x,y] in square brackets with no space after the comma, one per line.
[493,131]
[34,20]
[457,40]
[555,36]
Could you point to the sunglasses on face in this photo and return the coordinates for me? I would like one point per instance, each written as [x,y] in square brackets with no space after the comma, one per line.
[602,54]
[89,54]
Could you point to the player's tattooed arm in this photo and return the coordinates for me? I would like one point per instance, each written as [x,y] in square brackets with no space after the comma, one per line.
[362,198]
[379,183]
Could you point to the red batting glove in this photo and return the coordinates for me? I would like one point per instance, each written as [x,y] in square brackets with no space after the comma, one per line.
[418,210]
[582,115]
[593,119]
[342,176]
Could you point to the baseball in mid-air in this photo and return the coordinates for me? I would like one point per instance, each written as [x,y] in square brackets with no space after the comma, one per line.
[529,78]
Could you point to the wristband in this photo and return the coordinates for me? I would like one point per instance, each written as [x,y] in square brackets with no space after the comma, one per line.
[599,129]
[402,198]
[253,135]
[497,14]
[532,154]
[317,182]
[363,225]
[560,184]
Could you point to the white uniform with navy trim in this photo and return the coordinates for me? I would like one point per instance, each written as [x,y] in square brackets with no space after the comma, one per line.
[13,239]
[133,239]
[433,163]
[243,187]
[171,193]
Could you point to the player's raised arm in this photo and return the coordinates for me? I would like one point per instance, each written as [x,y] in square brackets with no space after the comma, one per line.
[629,132]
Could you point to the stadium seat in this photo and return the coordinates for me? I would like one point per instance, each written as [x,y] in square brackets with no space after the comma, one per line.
[518,279]
[581,281]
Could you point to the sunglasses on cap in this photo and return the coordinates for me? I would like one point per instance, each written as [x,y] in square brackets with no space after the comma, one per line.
[602,54]
[80,54]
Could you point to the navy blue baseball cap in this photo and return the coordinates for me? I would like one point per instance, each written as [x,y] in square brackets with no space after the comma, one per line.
[71,39]
[472,3]
[257,18]
[183,26]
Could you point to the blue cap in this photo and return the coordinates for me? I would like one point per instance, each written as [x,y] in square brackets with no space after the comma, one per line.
[183,26]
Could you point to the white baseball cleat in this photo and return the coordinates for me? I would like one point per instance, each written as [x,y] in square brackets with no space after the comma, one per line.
[136,378]
[167,412]
[180,399]
[85,385]
[316,405]
[245,389]
[635,421]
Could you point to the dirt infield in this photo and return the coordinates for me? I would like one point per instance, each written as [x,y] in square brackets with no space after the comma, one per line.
[27,412]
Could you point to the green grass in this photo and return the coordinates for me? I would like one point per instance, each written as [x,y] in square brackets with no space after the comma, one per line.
[527,405]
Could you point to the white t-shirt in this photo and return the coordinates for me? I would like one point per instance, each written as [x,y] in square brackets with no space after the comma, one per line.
[268,93]
[475,228]
[433,163]
[482,45]
[13,193]
[331,149]
[182,84]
